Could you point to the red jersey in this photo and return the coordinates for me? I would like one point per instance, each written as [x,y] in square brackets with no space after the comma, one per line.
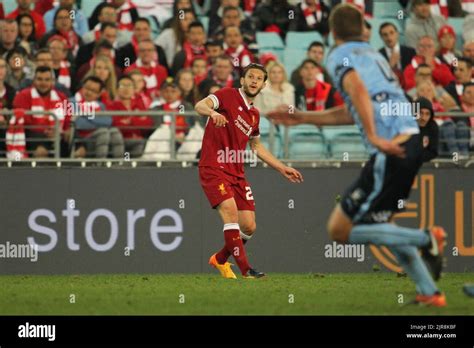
[223,147]
[126,123]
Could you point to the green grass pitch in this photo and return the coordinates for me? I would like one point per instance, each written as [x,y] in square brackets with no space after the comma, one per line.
[209,294]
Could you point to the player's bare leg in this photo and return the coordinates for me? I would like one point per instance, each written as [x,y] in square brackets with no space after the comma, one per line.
[247,224]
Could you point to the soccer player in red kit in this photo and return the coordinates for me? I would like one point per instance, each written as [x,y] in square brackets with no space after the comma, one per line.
[233,122]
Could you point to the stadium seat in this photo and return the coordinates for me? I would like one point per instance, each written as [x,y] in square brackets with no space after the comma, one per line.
[292,58]
[306,142]
[269,40]
[301,40]
[9,6]
[457,23]
[88,6]
[386,9]
[345,143]
[265,128]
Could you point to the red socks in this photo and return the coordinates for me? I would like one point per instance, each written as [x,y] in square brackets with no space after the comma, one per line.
[234,247]
[223,255]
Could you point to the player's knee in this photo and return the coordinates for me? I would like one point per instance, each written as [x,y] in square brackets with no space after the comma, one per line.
[229,213]
[248,228]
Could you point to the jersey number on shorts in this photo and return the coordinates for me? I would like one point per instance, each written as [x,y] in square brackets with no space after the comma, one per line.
[248,195]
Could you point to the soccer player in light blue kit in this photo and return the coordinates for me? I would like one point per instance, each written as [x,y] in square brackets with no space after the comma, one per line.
[375,102]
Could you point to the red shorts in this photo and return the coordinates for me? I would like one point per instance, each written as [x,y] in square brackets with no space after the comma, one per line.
[219,186]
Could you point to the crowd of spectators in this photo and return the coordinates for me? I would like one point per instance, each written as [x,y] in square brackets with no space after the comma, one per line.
[52,54]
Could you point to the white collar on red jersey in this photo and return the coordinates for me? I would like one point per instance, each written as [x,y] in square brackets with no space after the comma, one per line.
[244,97]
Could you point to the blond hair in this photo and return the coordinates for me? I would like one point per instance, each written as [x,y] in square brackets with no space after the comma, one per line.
[111,82]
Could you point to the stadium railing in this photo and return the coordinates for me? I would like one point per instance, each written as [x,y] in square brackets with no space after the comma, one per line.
[277,139]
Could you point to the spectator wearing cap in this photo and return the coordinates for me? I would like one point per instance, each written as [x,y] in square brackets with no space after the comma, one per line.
[397,55]
[108,32]
[429,131]
[232,16]
[9,37]
[273,16]
[154,73]
[463,75]
[19,67]
[57,45]
[43,57]
[128,53]
[214,49]
[80,21]
[42,96]
[235,48]
[173,38]
[95,136]
[311,15]
[26,34]
[171,100]
[24,6]
[277,90]
[193,47]
[312,94]
[314,52]
[106,14]
[422,23]
[63,27]
[135,129]
[426,53]
[447,46]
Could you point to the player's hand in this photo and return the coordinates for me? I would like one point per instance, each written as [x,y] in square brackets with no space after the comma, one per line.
[292,174]
[218,119]
[286,115]
[388,147]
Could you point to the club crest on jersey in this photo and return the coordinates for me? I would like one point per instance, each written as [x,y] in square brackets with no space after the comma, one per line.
[240,108]
[222,189]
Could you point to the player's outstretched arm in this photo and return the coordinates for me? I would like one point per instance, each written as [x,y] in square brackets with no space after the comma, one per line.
[266,156]
[290,116]
[205,107]
[355,88]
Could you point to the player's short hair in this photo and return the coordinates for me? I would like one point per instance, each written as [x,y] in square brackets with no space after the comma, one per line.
[387,24]
[226,58]
[310,61]
[102,44]
[226,29]
[315,44]
[258,67]
[94,79]
[125,77]
[346,22]
[41,51]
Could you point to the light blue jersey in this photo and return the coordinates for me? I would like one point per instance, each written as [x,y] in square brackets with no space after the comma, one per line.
[393,113]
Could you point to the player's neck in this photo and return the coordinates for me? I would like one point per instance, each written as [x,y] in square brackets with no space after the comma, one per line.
[246,97]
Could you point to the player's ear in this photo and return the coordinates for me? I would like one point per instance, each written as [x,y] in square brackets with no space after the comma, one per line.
[242,81]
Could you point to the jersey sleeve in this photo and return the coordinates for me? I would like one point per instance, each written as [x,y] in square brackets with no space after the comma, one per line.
[219,98]
[340,64]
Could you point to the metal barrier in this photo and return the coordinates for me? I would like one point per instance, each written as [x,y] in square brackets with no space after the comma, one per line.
[273,132]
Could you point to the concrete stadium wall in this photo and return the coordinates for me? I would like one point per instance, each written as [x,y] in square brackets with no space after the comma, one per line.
[149,220]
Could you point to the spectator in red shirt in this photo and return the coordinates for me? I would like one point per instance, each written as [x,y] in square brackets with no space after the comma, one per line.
[214,49]
[7,94]
[447,49]
[140,87]
[426,53]
[57,45]
[222,73]
[235,48]
[193,47]
[199,68]
[24,6]
[312,94]
[154,73]
[134,138]
[42,96]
